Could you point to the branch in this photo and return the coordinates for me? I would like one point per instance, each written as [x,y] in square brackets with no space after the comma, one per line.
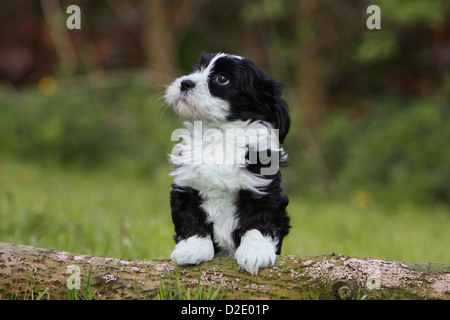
[292,277]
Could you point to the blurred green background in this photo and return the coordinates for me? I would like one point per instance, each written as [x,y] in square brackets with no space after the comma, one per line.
[85,133]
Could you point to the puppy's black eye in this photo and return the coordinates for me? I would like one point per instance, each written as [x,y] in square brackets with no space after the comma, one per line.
[222,79]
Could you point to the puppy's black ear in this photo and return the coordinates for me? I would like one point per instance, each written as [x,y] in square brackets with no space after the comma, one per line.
[281,118]
[265,94]
[277,108]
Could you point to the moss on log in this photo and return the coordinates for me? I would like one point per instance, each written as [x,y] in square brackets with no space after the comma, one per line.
[292,277]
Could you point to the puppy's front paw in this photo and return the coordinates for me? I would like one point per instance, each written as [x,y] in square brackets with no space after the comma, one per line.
[255,252]
[193,250]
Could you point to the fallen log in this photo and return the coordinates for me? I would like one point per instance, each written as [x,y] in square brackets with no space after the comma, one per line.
[24,268]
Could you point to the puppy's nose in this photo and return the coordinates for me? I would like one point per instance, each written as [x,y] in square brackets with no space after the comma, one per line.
[186,85]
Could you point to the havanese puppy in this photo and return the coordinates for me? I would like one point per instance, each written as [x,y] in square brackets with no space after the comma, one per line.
[227,199]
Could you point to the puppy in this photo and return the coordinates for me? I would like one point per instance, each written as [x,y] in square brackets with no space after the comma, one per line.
[227,199]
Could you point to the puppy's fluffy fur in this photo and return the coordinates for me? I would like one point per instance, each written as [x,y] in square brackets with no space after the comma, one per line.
[229,208]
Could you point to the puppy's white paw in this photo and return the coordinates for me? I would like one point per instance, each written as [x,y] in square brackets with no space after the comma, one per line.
[193,250]
[256,252]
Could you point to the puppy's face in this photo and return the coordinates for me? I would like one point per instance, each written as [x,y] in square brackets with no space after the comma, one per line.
[224,87]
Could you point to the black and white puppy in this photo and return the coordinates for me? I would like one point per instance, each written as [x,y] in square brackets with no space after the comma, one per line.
[227,195]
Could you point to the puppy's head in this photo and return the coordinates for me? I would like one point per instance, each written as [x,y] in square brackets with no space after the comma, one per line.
[226,87]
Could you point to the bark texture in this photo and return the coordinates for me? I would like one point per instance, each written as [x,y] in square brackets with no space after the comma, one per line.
[293,277]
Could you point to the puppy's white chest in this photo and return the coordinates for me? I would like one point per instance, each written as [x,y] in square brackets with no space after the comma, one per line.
[215,165]
[210,159]
[209,179]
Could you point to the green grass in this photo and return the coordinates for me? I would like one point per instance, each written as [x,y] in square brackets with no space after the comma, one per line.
[177,290]
[404,232]
[111,214]
[94,213]
[71,294]
[29,293]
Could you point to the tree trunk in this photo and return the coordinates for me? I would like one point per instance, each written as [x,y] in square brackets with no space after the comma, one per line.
[24,268]
[311,63]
